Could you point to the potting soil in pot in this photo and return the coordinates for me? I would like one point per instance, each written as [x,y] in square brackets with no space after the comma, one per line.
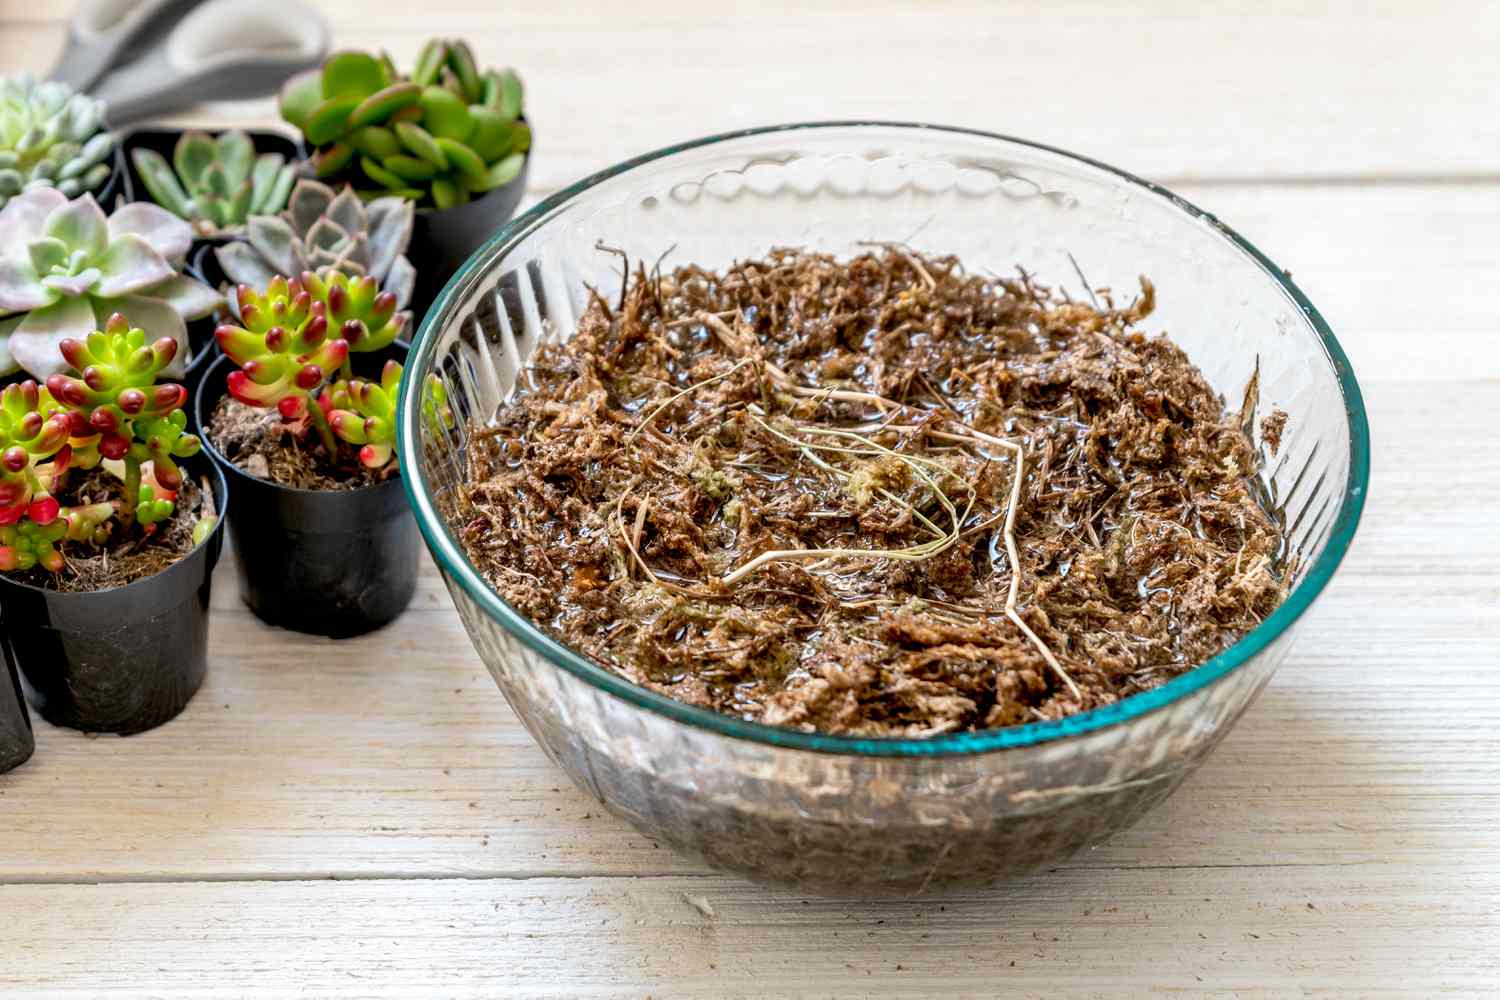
[261,443]
[123,557]
[879,496]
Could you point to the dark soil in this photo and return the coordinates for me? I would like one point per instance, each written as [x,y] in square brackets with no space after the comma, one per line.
[261,443]
[122,559]
[859,420]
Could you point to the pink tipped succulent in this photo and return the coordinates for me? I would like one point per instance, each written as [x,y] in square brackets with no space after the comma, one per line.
[30,433]
[364,413]
[112,407]
[283,347]
[27,544]
[296,336]
[115,384]
[162,440]
[33,542]
[358,310]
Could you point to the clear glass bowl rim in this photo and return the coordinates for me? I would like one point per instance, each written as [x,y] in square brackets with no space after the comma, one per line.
[456,566]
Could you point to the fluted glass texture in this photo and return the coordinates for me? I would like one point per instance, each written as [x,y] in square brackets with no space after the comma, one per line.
[866,816]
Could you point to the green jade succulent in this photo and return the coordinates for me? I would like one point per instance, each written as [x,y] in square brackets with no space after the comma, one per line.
[112,411]
[297,334]
[216,183]
[438,137]
[65,268]
[50,136]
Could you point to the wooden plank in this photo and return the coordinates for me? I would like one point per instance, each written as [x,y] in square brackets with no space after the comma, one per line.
[1341,842]
[1397,271]
[1351,930]
[394,755]
[1240,90]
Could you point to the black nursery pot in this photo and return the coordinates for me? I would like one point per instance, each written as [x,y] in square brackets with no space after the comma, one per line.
[16,740]
[327,562]
[122,660]
[442,241]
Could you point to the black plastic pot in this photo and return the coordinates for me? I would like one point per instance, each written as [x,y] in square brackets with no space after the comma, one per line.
[16,740]
[442,241]
[328,562]
[122,660]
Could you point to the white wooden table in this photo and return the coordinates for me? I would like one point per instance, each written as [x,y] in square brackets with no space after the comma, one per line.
[366,818]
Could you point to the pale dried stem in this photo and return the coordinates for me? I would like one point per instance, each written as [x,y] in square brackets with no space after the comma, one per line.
[968,435]
[640,520]
[912,553]
[632,543]
[678,395]
[906,255]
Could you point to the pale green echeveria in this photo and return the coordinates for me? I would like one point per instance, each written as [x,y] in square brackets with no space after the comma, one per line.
[65,268]
[50,136]
[216,183]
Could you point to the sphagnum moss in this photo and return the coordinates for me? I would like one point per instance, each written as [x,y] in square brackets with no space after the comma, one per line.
[877,496]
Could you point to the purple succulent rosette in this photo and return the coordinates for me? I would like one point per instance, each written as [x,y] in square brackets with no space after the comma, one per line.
[66,267]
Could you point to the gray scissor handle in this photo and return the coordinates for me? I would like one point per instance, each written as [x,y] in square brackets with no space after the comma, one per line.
[102,34]
[221,50]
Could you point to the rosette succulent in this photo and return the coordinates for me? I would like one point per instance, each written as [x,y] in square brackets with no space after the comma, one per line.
[111,409]
[31,433]
[325,232]
[115,395]
[65,268]
[438,137]
[364,413]
[283,349]
[50,136]
[215,183]
[297,335]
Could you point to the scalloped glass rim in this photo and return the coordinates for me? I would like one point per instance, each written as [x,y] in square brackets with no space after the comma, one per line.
[456,564]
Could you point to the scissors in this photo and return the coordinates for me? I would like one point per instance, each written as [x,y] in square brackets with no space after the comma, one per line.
[146,57]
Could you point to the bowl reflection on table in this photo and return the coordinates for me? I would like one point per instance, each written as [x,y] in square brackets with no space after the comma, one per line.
[880,816]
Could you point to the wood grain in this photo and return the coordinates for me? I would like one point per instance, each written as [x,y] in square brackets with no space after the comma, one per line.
[1356,930]
[366,818]
[394,755]
[1247,89]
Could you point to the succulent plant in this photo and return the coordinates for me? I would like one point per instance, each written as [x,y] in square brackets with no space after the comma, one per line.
[116,396]
[217,183]
[31,432]
[437,413]
[325,232]
[113,408]
[27,543]
[284,349]
[65,268]
[364,413]
[297,334]
[438,137]
[50,136]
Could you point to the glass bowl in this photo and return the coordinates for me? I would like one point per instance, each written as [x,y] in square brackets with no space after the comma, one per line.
[880,816]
